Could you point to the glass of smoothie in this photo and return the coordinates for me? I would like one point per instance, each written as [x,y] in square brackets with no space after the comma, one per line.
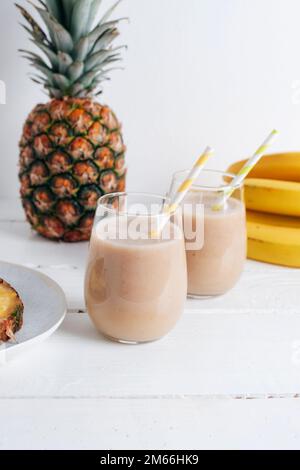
[217,262]
[136,283]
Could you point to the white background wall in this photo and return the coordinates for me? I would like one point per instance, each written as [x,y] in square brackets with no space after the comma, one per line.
[197,71]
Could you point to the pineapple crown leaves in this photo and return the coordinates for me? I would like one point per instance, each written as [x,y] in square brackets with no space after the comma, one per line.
[77,49]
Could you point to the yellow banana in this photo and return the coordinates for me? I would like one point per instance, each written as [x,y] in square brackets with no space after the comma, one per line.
[274,253]
[273,228]
[274,239]
[281,166]
[273,196]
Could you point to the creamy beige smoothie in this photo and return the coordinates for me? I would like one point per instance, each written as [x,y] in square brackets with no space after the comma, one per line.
[135,290]
[217,266]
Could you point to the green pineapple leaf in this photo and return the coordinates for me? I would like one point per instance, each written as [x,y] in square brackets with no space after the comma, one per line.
[110,12]
[97,32]
[87,79]
[67,7]
[55,9]
[79,19]
[64,62]
[77,89]
[52,57]
[75,71]
[32,35]
[39,82]
[33,58]
[61,81]
[77,52]
[106,39]
[38,79]
[82,48]
[54,92]
[36,29]
[44,70]
[101,57]
[97,59]
[95,7]
[61,38]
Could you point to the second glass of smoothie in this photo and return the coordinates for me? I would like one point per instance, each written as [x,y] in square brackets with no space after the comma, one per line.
[216,262]
[136,283]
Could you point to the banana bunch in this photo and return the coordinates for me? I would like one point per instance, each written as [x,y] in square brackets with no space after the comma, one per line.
[272,196]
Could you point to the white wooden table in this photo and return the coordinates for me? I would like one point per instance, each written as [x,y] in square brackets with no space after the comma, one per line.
[227,377]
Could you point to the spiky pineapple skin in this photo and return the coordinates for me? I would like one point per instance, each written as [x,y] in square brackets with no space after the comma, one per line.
[71,153]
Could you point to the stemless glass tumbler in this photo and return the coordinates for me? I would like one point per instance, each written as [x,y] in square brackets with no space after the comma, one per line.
[216,265]
[136,283]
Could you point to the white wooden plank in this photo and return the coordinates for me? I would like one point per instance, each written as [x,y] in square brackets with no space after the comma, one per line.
[150,424]
[262,286]
[71,280]
[208,354]
[274,292]
[19,244]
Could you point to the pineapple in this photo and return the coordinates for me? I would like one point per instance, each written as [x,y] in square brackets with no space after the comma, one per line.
[72,150]
[11,312]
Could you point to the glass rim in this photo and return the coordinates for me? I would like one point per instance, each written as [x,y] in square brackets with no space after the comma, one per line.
[163,199]
[211,188]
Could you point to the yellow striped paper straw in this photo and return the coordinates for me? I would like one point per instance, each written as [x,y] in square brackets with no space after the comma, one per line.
[184,188]
[247,168]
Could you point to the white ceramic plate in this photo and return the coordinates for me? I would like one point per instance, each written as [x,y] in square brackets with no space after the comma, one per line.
[45,306]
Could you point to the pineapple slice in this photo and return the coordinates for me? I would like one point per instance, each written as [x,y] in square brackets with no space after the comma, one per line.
[11,312]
